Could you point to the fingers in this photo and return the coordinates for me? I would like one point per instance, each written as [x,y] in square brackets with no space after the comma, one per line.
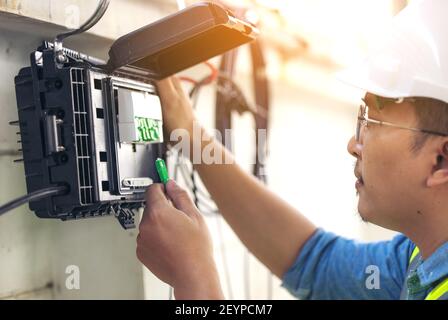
[165,85]
[155,195]
[170,86]
[178,85]
[155,198]
[180,198]
[167,93]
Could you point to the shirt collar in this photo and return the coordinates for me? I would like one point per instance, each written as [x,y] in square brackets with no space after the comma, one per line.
[435,267]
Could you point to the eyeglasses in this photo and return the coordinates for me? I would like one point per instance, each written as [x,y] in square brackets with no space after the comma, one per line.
[363,120]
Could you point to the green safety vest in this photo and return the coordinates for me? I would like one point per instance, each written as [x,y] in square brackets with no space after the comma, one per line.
[440,292]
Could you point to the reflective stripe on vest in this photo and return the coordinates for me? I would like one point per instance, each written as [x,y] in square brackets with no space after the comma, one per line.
[441,290]
[414,254]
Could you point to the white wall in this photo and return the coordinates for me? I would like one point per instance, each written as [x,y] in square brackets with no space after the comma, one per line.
[34,253]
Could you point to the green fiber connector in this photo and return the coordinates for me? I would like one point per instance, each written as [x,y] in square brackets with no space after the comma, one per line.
[162,170]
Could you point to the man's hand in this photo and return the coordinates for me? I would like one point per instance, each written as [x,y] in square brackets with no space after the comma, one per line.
[176,107]
[174,243]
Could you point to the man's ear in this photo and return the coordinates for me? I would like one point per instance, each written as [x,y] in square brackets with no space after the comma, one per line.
[439,174]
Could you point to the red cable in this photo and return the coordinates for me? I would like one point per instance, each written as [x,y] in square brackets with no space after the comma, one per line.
[212,77]
[188,79]
[213,72]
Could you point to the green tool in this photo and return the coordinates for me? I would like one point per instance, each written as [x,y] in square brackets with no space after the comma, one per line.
[162,170]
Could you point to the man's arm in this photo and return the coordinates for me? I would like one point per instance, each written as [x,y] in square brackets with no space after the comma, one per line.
[270,228]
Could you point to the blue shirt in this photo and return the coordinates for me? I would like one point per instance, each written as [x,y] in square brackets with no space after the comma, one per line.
[333,267]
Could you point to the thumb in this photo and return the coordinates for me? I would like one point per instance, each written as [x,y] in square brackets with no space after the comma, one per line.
[180,198]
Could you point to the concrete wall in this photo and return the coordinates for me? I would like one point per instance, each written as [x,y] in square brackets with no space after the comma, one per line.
[35,253]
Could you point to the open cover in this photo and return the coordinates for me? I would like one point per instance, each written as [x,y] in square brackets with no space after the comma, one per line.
[180,40]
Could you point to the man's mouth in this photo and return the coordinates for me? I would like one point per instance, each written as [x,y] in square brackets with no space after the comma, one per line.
[359,182]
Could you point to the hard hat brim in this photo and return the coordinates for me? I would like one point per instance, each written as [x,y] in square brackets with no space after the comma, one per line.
[358,77]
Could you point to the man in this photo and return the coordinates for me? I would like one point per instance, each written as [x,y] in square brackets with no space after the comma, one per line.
[401,148]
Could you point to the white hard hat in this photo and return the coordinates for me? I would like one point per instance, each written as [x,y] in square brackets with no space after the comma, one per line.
[412,59]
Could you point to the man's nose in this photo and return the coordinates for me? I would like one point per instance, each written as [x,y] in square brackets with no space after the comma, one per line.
[354,148]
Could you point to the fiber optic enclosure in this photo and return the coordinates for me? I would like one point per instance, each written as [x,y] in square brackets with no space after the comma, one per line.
[96,127]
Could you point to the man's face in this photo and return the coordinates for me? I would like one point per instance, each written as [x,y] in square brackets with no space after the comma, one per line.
[391,177]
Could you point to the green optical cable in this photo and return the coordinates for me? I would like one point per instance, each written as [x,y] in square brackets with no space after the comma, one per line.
[162,171]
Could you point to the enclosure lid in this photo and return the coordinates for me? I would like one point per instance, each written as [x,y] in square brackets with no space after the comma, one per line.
[180,40]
